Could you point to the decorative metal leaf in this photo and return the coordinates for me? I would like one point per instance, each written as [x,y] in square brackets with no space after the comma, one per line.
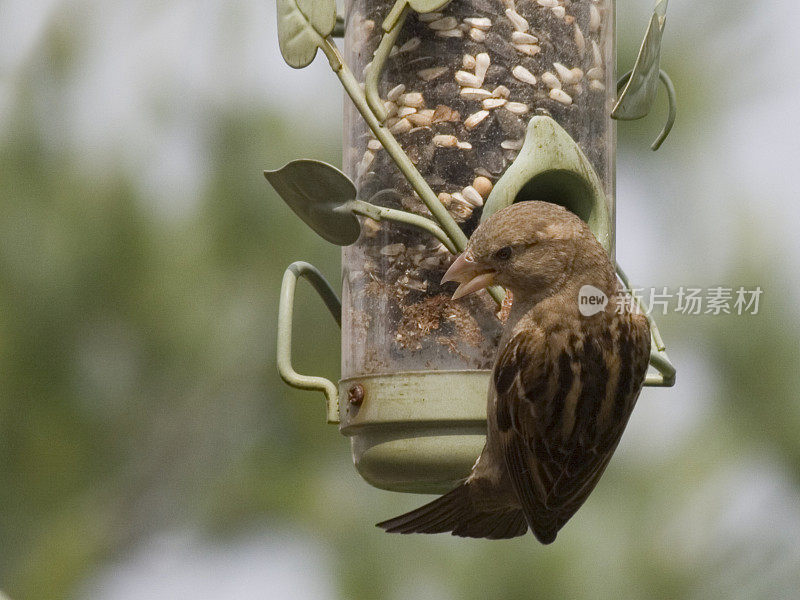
[640,91]
[302,26]
[320,195]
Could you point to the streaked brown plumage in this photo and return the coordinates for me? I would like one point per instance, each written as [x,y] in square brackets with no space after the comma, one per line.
[563,385]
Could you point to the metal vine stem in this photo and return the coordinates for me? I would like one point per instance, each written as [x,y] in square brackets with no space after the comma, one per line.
[457,237]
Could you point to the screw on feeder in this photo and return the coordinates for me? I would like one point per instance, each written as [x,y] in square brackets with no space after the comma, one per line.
[355,395]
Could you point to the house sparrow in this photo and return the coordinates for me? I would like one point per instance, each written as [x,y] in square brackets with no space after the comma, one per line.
[563,384]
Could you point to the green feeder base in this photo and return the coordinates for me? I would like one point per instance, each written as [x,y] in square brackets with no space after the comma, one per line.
[415,432]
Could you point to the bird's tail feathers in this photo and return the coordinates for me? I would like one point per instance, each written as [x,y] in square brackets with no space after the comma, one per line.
[454,512]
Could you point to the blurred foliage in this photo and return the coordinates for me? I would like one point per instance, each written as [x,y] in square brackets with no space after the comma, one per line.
[138,391]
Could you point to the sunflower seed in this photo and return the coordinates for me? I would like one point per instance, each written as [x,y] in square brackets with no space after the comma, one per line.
[594,18]
[431,262]
[443,24]
[518,108]
[479,22]
[460,208]
[429,17]
[520,37]
[432,73]
[482,185]
[597,85]
[475,119]
[393,249]
[564,74]
[374,145]
[390,108]
[492,103]
[559,11]
[412,283]
[560,96]
[464,146]
[445,198]
[512,144]
[444,113]
[468,62]
[580,41]
[395,92]
[413,99]
[529,49]
[477,35]
[524,75]
[459,198]
[518,22]
[406,111]
[474,93]
[468,79]
[370,227]
[597,56]
[450,33]
[472,196]
[366,161]
[445,141]
[402,126]
[595,73]
[501,91]
[411,45]
[547,3]
[420,120]
[551,80]
[482,62]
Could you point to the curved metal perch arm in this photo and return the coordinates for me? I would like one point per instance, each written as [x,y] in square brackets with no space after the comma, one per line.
[284,349]
[658,355]
[672,99]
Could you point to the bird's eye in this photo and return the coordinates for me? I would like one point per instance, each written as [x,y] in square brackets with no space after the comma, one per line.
[504,253]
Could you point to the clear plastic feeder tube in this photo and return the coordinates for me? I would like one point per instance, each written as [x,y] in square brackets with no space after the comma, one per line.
[459,89]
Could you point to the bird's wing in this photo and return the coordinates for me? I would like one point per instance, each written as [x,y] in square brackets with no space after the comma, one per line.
[564,397]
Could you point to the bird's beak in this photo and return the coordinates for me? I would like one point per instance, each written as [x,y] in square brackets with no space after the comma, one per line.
[470,274]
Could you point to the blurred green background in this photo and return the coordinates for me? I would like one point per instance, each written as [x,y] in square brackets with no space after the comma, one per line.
[148,448]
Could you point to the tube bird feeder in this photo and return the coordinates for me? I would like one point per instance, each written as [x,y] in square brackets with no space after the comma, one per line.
[458,109]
